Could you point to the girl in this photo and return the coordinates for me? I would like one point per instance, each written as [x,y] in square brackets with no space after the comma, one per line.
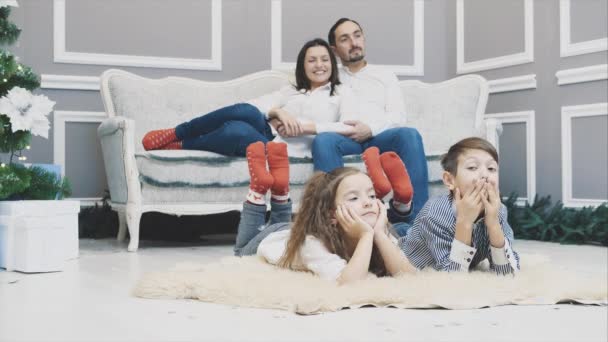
[341,231]
[312,106]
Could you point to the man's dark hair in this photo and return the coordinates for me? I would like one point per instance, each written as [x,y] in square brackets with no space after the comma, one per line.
[302,81]
[331,36]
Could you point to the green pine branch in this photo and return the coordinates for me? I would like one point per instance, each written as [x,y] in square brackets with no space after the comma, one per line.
[9,32]
[542,221]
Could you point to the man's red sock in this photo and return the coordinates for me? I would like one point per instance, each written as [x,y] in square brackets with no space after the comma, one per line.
[371,158]
[278,163]
[261,179]
[156,139]
[397,175]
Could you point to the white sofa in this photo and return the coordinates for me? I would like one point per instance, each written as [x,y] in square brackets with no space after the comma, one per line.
[185,182]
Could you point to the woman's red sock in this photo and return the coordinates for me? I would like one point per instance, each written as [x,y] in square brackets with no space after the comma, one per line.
[399,178]
[176,145]
[278,163]
[156,139]
[261,179]
[371,158]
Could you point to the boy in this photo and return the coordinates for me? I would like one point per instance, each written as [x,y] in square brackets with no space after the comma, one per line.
[458,230]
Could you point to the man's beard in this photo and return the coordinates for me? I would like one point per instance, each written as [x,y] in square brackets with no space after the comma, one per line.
[356,58]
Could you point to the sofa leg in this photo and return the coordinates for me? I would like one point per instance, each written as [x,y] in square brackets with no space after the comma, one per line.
[122,226]
[133,218]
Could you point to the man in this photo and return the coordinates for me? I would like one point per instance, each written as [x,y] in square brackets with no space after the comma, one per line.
[381,104]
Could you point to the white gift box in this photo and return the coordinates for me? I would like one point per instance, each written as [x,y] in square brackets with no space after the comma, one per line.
[38,236]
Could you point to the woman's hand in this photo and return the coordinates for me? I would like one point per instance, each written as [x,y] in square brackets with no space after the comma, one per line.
[291,127]
[353,225]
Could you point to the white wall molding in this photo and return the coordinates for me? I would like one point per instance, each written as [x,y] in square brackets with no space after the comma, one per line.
[566,47]
[512,83]
[415,69]
[568,114]
[61,55]
[528,118]
[526,56]
[60,118]
[69,82]
[580,75]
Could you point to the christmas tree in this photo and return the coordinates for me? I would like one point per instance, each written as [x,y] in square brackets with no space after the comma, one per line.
[22,115]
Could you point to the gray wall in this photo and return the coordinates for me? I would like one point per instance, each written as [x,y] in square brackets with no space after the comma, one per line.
[182,29]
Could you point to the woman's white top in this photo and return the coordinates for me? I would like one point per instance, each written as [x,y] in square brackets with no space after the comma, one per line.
[317,106]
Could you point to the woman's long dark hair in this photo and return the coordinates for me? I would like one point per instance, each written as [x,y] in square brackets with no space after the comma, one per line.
[302,82]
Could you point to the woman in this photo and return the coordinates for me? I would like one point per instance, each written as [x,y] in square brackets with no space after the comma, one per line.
[297,112]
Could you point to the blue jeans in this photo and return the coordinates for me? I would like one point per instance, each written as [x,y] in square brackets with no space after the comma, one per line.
[253,227]
[226,131]
[328,149]
[401,222]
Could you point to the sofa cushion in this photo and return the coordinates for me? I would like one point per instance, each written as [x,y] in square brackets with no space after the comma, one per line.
[201,169]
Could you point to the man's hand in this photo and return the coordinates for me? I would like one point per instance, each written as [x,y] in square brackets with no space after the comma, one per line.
[360,133]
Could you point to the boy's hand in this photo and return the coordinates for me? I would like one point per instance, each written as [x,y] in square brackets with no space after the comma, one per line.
[353,225]
[469,205]
[382,222]
[491,204]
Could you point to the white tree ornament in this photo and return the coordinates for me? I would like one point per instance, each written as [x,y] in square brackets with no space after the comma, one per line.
[27,112]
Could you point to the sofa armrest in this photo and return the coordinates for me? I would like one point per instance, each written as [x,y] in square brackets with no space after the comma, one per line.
[492,129]
[116,135]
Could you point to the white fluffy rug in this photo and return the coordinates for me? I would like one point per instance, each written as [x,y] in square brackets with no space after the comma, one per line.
[250,282]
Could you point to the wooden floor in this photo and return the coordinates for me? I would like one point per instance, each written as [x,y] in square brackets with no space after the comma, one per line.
[90,301]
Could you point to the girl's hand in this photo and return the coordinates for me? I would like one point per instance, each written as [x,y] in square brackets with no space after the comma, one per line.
[382,222]
[491,204]
[353,225]
[469,205]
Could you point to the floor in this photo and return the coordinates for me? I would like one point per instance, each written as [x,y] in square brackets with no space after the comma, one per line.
[90,301]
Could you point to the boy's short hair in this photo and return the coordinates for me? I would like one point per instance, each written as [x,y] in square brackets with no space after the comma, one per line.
[449,161]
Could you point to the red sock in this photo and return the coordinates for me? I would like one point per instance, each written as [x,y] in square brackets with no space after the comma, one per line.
[397,174]
[156,139]
[278,163]
[371,157]
[176,145]
[261,179]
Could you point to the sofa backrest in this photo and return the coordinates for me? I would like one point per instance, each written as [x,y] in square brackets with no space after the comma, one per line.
[162,103]
[443,112]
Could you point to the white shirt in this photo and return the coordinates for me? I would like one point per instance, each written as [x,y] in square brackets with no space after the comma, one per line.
[313,255]
[311,106]
[379,96]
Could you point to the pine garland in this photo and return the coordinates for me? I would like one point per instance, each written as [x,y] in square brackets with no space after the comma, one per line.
[543,222]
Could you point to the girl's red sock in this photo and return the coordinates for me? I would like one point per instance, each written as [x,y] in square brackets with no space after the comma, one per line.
[371,158]
[261,179]
[397,175]
[278,163]
[156,139]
